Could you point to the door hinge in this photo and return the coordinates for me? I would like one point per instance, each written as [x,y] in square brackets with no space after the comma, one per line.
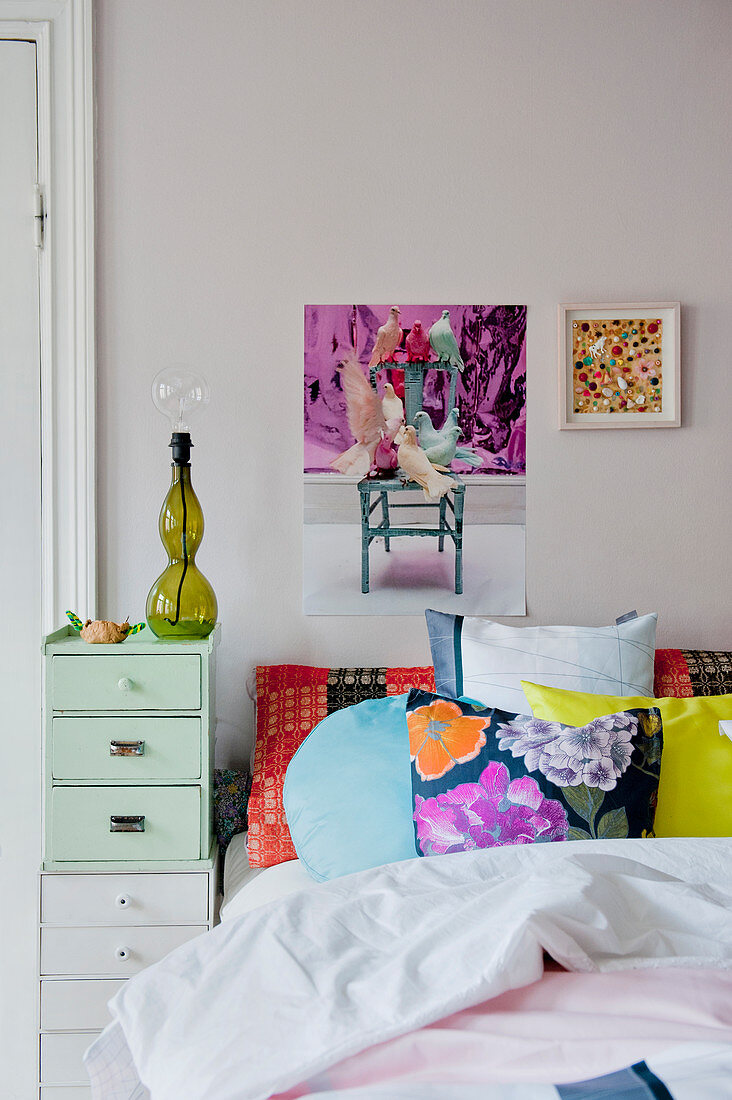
[39,217]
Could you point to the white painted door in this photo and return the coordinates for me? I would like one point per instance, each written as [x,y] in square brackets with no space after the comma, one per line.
[20,570]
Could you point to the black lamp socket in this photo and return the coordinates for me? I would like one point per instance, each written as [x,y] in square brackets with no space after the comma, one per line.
[180,443]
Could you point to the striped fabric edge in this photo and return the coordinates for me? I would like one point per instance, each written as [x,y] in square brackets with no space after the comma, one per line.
[636,1082]
[445,634]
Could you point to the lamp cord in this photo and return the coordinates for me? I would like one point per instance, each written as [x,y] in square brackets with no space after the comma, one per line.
[174,622]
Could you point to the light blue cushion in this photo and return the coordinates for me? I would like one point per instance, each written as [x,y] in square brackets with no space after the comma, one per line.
[348,790]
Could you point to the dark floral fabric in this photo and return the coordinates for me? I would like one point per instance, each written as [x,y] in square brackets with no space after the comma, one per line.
[482,778]
[231,795]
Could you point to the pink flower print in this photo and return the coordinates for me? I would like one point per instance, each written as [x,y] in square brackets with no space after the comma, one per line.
[494,811]
[437,828]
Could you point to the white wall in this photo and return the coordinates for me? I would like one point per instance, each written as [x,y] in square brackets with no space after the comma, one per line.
[255,156]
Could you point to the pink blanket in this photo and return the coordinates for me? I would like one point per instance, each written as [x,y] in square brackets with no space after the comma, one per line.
[566,1027]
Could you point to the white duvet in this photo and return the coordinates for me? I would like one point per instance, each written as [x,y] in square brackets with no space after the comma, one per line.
[272,998]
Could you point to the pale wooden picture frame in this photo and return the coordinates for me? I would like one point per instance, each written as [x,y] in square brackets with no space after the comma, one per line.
[570,314]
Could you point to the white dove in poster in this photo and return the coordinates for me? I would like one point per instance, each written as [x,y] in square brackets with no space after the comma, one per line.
[365,419]
[391,405]
[356,461]
[388,339]
[416,465]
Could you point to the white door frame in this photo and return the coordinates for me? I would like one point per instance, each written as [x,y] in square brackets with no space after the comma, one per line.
[62,31]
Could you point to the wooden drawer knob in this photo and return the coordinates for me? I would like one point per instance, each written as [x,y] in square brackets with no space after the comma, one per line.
[124,683]
[123,901]
[122,953]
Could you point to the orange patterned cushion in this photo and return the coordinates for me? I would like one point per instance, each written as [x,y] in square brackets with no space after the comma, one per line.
[291,700]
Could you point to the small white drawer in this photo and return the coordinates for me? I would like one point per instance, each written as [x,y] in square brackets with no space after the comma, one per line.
[109,952]
[77,1005]
[62,1058]
[124,899]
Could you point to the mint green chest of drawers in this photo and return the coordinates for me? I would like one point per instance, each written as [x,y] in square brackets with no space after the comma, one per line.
[129,737]
[129,863]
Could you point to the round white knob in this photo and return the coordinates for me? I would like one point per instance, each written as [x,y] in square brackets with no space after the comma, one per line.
[122,953]
[122,901]
[125,684]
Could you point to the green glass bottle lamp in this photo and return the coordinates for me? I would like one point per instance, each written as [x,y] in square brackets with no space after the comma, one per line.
[181,603]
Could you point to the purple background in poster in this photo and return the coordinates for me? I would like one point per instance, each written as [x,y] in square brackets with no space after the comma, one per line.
[491,391]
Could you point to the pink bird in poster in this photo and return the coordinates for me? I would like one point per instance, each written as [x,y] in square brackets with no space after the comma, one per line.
[388,339]
[418,344]
[385,456]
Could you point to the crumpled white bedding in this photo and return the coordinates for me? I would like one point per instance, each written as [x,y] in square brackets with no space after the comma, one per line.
[277,995]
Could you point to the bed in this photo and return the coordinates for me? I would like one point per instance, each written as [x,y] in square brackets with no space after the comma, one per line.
[246,887]
[522,971]
[430,978]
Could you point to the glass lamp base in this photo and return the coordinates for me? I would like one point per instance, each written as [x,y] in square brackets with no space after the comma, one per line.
[184,628]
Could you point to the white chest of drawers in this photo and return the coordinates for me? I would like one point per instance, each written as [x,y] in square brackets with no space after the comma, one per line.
[130,871]
[97,929]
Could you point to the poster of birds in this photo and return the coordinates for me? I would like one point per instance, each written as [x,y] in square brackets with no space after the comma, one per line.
[428,398]
[486,343]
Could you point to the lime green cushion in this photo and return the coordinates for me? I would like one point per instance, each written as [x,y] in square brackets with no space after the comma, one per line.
[695,793]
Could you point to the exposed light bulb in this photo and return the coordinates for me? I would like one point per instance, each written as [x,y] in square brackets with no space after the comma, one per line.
[179,393]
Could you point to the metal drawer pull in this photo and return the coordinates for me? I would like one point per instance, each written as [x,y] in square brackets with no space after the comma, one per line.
[124,684]
[130,824]
[122,953]
[126,748]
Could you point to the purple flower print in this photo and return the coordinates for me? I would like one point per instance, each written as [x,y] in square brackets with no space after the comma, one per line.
[595,754]
[529,737]
[586,742]
[494,811]
[624,720]
[620,749]
[561,769]
[600,773]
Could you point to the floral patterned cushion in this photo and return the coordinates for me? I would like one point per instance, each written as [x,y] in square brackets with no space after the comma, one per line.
[482,777]
[231,795]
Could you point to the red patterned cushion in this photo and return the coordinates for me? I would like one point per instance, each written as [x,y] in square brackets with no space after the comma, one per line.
[291,700]
[681,673]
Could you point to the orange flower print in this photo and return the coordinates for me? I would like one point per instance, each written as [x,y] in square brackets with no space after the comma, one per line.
[441,736]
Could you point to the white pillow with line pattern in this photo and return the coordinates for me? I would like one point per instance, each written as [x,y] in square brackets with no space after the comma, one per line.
[486,661]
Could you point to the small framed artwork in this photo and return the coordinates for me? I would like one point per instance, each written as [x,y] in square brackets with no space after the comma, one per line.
[619,365]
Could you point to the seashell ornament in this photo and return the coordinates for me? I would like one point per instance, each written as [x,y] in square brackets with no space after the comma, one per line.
[102,631]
